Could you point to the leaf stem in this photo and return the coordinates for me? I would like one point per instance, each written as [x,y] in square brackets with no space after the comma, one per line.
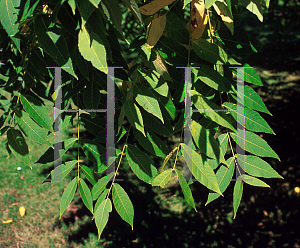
[78,140]
[14,112]
[125,145]
[210,29]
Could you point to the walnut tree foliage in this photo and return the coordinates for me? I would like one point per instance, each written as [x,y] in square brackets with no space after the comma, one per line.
[84,38]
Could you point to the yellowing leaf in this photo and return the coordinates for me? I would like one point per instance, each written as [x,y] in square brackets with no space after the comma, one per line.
[22,211]
[223,11]
[154,6]
[6,221]
[198,19]
[156,29]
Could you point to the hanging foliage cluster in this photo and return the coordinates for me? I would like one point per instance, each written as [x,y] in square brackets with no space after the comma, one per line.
[85,38]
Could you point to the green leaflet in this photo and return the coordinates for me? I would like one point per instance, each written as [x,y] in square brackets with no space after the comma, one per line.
[75,88]
[224,176]
[252,100]
[91,96]
[237,194]
[134,116]
[85,194]
[179,124]
[173,52]
[80,62]
[95,24]
[95,2]
[240,43]
[253,120]
[32,130]
[205,141]
[212,78]
[4,103]
[86,8]
[209,3]
[212,52]
[62,170]
[99,187]
[123,204]
[147,100]
[250,75]
[151,143]
[94,151]
[37,111]
[175,28]
[224,11]
[101,199]
[223,141]
[72,5]
[156,82]
[201,171]
[18,146]
[213,163]
[141,164]
[92,49]
[163,178]
[48,156]
[2,121]
[115,14]
[206,108]
[254,7]
[255,166]
[156,126]
[254,181]
[185,189]
[101,215]
[185,3]
[8,16]
[68,196]
[95,125]
[168,109]
[256,145]
[53,43]
[159,65]
[89,174]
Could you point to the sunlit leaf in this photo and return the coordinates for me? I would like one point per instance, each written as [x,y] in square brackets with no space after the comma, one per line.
[256,145]
[37,111]
[200,170]
[162,179]
[101,215]
[237,194]
[254,181]
[68,195]
[85,194]
[92,49]
[123,204]
[185,189]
